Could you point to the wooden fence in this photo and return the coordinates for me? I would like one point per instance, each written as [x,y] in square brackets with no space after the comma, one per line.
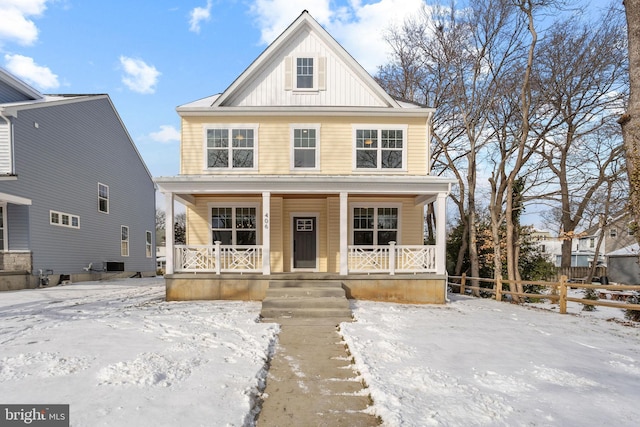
[555,291]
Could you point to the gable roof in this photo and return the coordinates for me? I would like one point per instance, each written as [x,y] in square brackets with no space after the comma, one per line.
[18,85]
[303,35]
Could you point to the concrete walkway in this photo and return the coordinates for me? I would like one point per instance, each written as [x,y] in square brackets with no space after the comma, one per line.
[311,380]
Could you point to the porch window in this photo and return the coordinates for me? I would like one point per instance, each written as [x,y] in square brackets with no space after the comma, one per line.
[375,226]
[305,148]
[124,240]
[234,225]
[231,148]
[380,148]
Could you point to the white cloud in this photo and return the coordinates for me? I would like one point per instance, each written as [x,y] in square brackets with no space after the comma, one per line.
[358,27]
[198,15]
[16,23]
[139,76]
[166,134]
[34,74]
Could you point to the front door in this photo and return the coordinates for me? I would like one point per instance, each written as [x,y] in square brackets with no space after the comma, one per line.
[304,242]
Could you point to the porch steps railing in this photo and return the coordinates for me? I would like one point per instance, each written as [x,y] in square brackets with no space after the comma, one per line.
[305,299]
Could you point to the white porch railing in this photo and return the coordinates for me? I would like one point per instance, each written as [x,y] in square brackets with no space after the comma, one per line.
[392,259]
[218,258]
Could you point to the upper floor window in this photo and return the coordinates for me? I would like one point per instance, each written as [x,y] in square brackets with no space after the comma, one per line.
[231,148]
[375,225]
[305,148]
[103,198]
[380,148]
[613,232]
[304,73]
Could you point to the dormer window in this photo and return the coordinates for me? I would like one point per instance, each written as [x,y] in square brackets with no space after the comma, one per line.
[304,73]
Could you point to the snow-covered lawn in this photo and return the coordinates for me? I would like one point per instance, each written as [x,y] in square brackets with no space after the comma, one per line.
[120,355]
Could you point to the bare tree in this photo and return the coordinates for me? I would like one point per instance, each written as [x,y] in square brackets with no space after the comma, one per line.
[630,121]
[581,76]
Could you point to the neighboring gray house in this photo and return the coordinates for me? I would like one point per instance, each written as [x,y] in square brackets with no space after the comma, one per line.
[76,199]
[623,265]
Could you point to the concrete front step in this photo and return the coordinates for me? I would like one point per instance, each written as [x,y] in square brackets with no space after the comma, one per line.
[305,298]
[274,284]
[287,292]
[315,312]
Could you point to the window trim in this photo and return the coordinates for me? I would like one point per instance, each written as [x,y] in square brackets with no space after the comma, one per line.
[302,126]
[379,128]
[103,198]
[60,223]
[148,244]
[125,241]
[294,73]
[375,206]
[230,127]
[233,206]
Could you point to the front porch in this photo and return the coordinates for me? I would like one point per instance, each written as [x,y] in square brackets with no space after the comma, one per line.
[419,288]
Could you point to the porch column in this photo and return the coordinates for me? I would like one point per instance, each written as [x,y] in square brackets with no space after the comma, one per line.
[441,238]
[168,229]
[266,233]
[344,232]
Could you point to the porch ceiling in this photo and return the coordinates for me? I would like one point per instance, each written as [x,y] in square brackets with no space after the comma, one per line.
[424,186]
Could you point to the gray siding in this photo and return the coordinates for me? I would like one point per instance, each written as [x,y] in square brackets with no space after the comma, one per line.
[10,94]
[59,164]
[18,227]
[624,270]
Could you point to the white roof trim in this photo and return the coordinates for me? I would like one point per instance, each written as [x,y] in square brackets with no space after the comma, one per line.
[304,20]
[16,200]
[19,85]
[305,184]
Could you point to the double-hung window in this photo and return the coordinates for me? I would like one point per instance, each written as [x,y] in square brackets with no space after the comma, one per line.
[304,73]
[103,198]
[124,240]
[232,147]
[375,225]
[380,148]
[148,244]
[305,147]
[234,225]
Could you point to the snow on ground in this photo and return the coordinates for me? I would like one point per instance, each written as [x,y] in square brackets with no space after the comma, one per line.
[121,355]
[118,354]
[481,362]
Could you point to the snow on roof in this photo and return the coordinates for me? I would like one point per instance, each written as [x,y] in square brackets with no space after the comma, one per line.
[629,250]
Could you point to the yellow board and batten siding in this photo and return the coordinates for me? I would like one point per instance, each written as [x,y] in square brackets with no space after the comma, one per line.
[274,144]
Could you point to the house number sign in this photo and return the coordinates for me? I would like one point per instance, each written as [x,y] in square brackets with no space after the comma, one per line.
[266,221]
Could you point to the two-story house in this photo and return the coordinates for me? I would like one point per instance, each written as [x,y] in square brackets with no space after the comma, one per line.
[76,199]
[305,168]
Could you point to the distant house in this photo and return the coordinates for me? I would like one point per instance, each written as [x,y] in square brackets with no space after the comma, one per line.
[76,200]
[305,168]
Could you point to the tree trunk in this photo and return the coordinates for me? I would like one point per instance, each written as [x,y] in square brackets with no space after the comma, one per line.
[630,121]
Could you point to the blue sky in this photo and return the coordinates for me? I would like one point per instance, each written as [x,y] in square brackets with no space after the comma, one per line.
[152,55]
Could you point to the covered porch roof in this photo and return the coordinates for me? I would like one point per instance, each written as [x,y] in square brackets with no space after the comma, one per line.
[424,188]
